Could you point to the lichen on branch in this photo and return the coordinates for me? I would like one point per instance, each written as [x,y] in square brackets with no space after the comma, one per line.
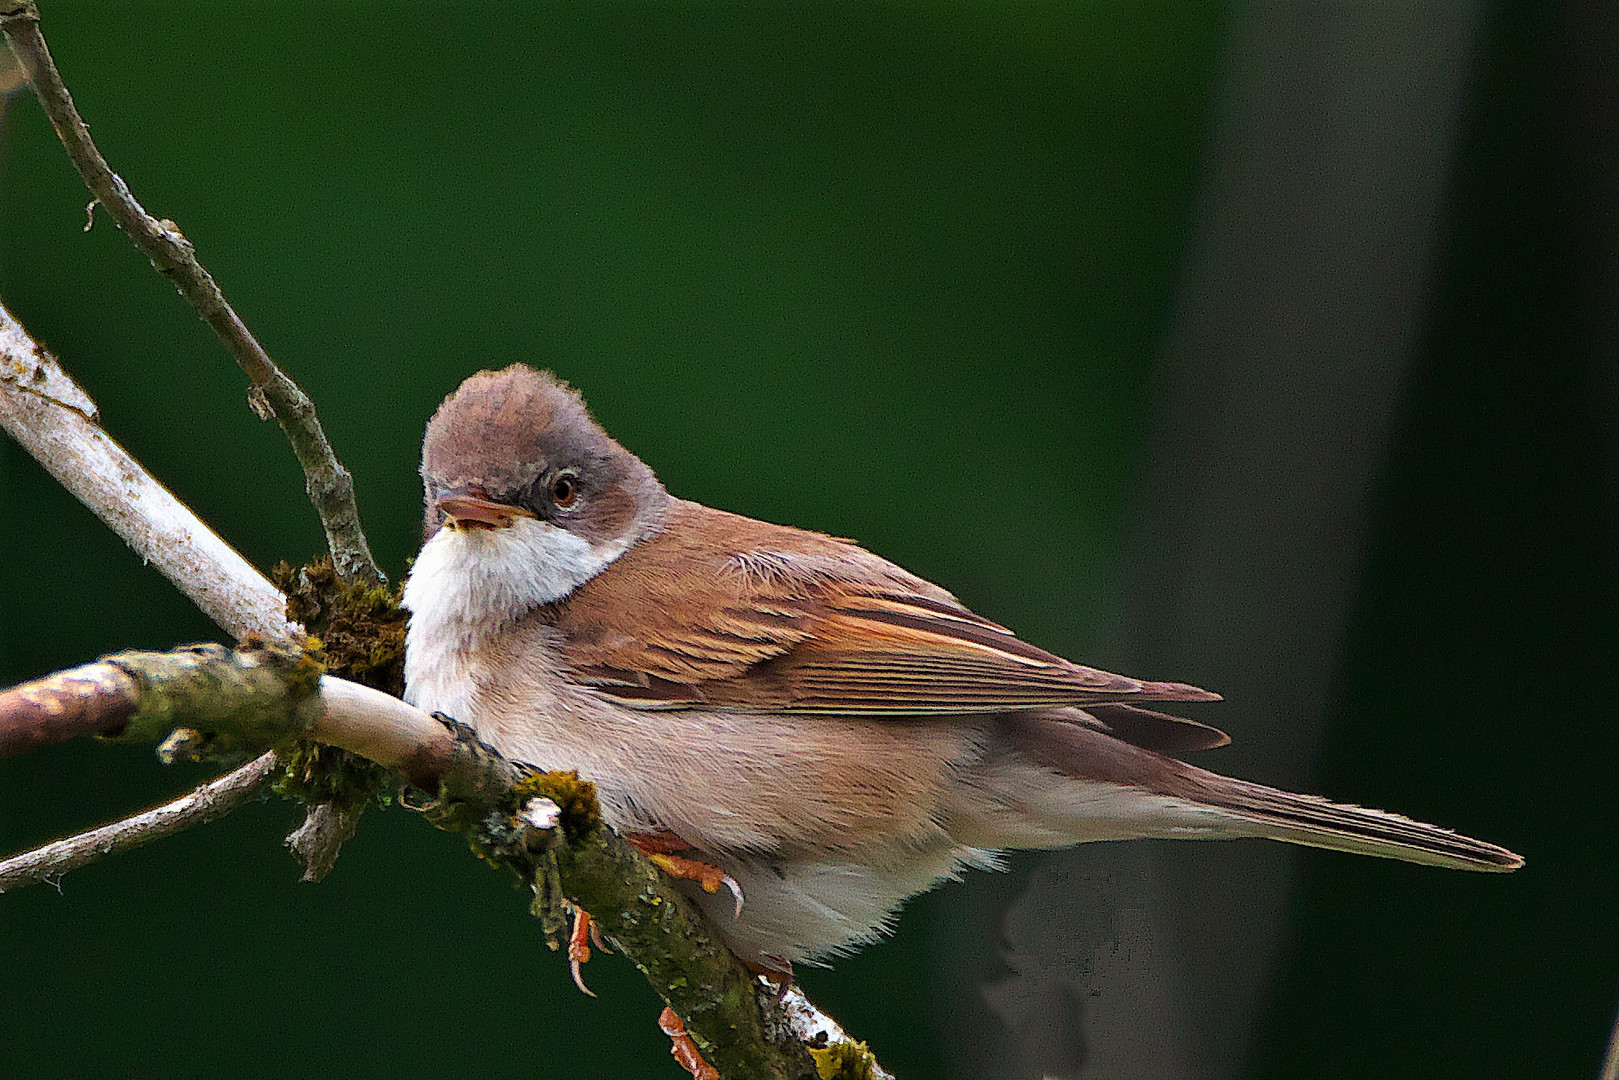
[255,696]
[641,913]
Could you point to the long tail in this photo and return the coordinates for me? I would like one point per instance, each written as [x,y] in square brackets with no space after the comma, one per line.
[1162,796]
[1317,822]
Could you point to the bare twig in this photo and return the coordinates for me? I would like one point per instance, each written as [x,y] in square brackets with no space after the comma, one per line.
[1610,1061]
[383,729]
[210,802]
[326,828]
[90,700]
[55,421]
[128,696]
[12,81]
[330,485]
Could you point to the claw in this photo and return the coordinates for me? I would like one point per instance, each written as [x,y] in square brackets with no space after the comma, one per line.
[736,892]
[596,938]
[710,877]
[579,978]
[660,847]
[579,948]
[683,1049]
[780,979]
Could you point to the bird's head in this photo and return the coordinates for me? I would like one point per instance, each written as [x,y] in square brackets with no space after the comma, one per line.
[527,498]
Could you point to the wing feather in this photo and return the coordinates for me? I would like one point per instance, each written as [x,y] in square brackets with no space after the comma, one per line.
[720,610]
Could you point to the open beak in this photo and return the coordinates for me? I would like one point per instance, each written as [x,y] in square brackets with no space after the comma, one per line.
[479,513]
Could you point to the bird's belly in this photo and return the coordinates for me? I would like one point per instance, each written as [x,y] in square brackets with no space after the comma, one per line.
[753,784]
[828,823]
[730,782]
[817,908]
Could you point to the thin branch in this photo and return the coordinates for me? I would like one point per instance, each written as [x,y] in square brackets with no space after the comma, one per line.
[55,421]
[326,828]
[1610,1061]
[91,700]
[381,728]
[330,485]
[210,802]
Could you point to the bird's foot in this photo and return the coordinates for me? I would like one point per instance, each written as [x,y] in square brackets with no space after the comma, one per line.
[584,932]
[661,848]
[684,1050]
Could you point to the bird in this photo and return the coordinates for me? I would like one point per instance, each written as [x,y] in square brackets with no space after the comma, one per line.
[783,712]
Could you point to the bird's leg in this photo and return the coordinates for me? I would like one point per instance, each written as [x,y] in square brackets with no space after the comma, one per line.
[684,1050]
[660,847]
[584,929]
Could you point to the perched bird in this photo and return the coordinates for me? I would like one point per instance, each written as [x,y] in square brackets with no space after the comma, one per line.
[803,719]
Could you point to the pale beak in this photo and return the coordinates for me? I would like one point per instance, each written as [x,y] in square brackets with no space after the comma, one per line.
[460,510]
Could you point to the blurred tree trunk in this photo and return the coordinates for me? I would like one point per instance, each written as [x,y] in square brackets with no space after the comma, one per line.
[1303,291]
[1589,93]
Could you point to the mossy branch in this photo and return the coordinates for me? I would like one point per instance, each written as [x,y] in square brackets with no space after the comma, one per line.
[207,701]
[665,936]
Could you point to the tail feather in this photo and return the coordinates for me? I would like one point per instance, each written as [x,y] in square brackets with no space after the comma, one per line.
[1318,822]
[1196,802]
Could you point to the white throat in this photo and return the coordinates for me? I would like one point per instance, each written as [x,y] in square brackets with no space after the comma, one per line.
[470,582]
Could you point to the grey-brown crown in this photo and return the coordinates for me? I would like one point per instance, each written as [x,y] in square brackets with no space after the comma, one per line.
[503,434]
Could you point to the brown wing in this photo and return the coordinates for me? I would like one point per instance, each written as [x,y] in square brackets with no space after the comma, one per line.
[721,610]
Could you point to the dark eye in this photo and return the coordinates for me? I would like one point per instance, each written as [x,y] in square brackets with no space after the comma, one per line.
[564,491]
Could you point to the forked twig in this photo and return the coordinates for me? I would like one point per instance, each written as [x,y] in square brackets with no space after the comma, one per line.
[55,421]
[329,483]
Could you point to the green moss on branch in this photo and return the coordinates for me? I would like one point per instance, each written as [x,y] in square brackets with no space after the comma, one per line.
[360,626]
[846,1060]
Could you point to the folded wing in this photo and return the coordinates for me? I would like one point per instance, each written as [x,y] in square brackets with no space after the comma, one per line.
[720,610]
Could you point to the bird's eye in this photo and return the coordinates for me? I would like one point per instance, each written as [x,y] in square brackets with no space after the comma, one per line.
[564,491]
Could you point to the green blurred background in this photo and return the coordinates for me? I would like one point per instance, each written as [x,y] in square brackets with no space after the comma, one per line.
[931,276]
